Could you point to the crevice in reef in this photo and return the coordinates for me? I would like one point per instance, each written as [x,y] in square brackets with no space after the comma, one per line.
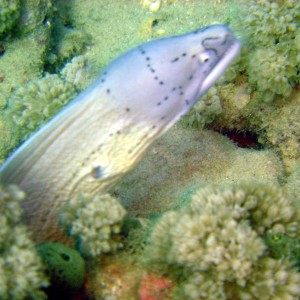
[243,138]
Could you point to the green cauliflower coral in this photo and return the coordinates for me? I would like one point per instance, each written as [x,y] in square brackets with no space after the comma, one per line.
[270,72]
[21,271]
[269,279]
[34,104]
[204,111]
[216,244]
[268,21]
[93,222]
[76,72]
[272,29]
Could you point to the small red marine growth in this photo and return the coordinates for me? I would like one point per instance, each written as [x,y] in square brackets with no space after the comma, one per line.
[154,288]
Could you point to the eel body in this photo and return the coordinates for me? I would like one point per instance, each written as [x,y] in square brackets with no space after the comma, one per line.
[105,131]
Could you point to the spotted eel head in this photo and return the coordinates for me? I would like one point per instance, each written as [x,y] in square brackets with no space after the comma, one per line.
[161,80]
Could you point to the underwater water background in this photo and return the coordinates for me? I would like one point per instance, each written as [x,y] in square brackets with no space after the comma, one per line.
[212,210]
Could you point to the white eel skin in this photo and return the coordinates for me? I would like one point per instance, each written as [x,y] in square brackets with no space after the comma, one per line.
[105,131]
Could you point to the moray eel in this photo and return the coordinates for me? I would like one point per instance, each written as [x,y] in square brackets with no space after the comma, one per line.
[105,131]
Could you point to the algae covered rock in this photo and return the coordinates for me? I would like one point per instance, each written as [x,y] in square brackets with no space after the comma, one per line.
[33,14]
[293,184]
[9,14]
[8,140]
[64,266]
[184,158]
[281,128]
[71,43]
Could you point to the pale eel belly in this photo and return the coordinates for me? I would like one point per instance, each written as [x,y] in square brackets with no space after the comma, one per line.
[105,131]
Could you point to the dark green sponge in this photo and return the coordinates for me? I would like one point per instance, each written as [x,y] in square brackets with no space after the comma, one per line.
[281,246]
[64,266]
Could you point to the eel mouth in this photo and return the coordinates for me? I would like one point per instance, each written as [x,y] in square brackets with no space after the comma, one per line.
[221,65]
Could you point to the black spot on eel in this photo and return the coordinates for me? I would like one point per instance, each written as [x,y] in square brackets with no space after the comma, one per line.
[105,131]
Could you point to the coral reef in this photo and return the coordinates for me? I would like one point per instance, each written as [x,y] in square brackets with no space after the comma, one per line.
[33,15]
[215,241]
[123,276]
[269,279]
[9,14]
[64,266]
[68,43]
[21,271]
[24,59]
[32,105]
[272,28]
[93,222]
[268,21]
[265,96]
[235,101]
[281,128]
[76,72]
[114,279]
[259,93]
[25,27]
[276,124]
[263,65]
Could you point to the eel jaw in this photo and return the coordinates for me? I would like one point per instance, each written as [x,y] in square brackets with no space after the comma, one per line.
[222,64]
